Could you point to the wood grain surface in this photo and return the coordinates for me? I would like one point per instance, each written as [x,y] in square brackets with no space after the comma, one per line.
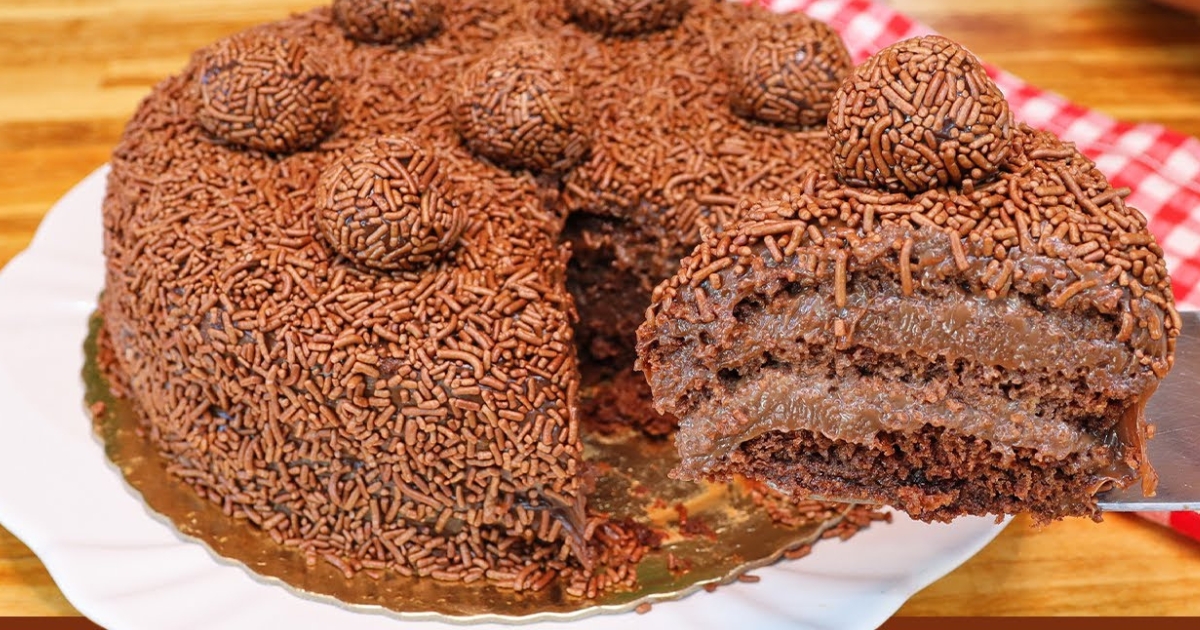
[71,72]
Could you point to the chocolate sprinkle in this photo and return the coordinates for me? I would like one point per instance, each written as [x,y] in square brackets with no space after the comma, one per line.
[264,92]
[387,21]
[919,114]
[627,17]
[382,204]
[521,108]
[782,70]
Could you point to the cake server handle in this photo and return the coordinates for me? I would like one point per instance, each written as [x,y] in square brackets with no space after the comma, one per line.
[1174,410]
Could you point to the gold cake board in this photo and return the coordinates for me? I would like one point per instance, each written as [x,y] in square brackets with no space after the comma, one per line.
[633,483]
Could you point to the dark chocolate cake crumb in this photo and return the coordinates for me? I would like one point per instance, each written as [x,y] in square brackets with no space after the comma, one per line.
[934,475]
[783,70]
[520,107]
[388,21]
[621,401]
[382,204]
[919,114]
[787,510]
[627,17]
[261,91]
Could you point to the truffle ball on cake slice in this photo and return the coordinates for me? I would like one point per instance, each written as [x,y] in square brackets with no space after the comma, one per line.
[260,91]
[388,21]
[920,114]
[627,17]
[782,70]
[383,204]
[520,107]
[964,318]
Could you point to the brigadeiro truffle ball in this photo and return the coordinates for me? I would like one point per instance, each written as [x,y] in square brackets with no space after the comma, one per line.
[785,70]
[387,21]
[266,93]
[627,17]
[921,113]
[519,107]
[382,205]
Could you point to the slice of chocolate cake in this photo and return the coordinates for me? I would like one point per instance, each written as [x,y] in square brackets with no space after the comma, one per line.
[963,318]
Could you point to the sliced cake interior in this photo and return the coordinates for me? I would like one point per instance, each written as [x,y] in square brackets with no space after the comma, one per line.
[981,341]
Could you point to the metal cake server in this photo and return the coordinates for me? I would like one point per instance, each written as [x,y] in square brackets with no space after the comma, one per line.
[1174,410]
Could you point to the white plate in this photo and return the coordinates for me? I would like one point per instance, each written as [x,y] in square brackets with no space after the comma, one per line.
[125,569]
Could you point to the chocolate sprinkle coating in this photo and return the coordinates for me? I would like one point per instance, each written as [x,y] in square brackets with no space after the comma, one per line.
[422,423]
[520,107]
[783,70]
[921,113]
[419,421]
[264,92]
[627,17]
[382,205]
[388,21]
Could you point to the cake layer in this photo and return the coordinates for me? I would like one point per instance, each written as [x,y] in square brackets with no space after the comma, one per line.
[1004,371]
[613,269]
[933,474]
[788,314]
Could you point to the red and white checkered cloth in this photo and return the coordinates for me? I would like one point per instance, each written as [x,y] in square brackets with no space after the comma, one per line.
[1160,166]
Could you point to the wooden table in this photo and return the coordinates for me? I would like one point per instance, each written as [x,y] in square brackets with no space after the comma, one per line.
[71,72]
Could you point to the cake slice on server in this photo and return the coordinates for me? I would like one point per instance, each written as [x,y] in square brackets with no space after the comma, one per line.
[962,318]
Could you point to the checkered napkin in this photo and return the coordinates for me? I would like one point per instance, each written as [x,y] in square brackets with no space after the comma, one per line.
[1160,166]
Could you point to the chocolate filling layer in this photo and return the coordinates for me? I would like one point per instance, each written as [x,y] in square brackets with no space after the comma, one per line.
[933,473]
[857,408]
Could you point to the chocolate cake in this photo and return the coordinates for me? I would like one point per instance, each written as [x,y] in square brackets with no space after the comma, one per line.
[350,254]
[961,317]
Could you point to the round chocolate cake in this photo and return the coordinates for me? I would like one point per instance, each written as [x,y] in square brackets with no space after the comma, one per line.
[961,317]
[357,258]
